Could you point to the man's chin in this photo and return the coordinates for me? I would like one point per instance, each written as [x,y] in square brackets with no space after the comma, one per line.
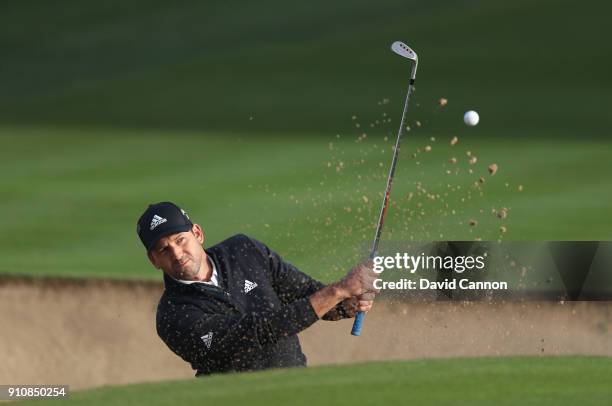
[187,274]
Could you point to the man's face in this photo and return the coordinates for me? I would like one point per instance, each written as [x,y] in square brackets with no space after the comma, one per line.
[180,255]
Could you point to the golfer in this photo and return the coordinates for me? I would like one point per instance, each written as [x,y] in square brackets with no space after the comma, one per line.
[237,306]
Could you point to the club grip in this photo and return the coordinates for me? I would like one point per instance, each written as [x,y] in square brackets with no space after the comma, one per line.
[358,324]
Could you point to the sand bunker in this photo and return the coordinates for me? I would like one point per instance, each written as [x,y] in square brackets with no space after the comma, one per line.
[94,333]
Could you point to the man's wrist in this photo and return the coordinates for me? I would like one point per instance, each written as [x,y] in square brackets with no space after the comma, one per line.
[339,292]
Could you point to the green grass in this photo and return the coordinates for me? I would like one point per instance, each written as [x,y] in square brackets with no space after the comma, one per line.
[302,68]
[71,198]
[481,381]
[229,110]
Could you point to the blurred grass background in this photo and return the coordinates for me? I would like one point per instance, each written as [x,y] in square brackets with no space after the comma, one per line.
[251,116]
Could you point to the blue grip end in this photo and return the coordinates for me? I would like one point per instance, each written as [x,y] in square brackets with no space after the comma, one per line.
[358,324]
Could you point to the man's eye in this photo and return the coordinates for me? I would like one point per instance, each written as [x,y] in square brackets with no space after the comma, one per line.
[180,240]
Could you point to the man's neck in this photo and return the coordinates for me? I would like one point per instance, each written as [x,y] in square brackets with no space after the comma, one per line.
[206,271]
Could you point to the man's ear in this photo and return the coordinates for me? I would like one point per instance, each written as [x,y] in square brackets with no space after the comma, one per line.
[199,233]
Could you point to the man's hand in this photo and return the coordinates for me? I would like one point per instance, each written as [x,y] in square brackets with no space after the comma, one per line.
[358,282]
[354,304]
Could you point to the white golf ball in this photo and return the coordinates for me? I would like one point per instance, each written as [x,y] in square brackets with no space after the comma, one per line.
[471,118]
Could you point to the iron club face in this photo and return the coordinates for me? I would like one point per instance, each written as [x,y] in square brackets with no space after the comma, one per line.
[405,51]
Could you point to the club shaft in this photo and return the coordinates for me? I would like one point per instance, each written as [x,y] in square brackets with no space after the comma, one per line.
[360,316]
[385,205]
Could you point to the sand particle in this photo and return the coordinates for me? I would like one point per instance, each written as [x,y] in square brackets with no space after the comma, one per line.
[502,213]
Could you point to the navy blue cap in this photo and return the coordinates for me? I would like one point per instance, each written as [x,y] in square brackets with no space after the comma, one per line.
[160,220]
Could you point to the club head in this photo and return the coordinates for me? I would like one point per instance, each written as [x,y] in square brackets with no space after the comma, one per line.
[403,50]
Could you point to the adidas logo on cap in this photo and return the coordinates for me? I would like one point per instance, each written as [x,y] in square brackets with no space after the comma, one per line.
[157,220]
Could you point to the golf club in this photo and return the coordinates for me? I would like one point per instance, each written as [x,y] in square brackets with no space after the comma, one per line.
[402,50]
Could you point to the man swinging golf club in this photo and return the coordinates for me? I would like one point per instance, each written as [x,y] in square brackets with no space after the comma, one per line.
[237,306]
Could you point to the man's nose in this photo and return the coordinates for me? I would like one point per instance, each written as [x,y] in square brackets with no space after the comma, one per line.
[177,252]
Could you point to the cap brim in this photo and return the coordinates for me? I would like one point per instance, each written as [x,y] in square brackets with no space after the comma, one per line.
[172,230]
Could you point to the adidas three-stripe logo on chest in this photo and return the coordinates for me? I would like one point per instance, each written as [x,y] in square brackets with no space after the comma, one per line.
[249,286]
